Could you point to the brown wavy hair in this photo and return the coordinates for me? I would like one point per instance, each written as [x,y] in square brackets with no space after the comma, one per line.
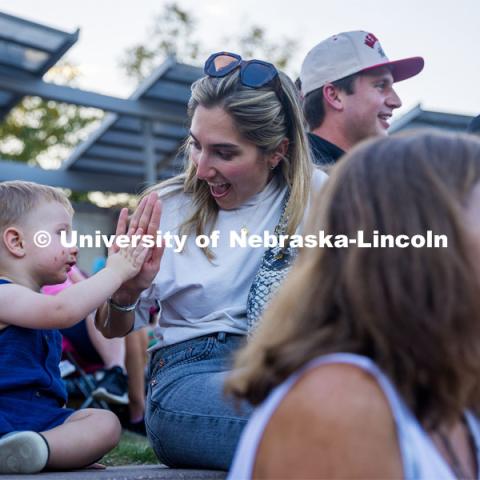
[414,311]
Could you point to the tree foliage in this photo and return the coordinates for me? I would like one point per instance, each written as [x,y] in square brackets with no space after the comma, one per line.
[174,32]
[255,43]
[41,131]
[37,129]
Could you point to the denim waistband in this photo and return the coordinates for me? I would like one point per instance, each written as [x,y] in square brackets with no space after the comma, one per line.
[186,347]
[220,336]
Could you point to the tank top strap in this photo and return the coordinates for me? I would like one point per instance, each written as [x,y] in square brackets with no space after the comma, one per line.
[474,427]
[368,365]
[420,458]
[261,416]
[402,415]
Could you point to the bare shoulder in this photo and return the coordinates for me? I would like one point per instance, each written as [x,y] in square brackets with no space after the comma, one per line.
[7,293]
[337,385]
[338,424]
[17,303]
[7,290]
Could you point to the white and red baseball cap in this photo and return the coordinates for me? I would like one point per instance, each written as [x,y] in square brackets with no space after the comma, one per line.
[351,52]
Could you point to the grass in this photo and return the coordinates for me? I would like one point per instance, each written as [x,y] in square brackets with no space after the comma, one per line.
[133,449]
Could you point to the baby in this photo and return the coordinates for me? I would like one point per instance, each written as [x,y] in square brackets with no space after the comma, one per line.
[36,430]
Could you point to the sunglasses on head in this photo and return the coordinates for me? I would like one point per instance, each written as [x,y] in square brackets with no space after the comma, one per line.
[253,73]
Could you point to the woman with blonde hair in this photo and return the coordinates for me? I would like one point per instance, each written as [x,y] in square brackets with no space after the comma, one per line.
[367,364]
[248,171]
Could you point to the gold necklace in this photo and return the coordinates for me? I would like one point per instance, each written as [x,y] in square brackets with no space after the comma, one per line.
[243,230]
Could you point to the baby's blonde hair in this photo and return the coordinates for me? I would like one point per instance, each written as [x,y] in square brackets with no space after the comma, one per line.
[18,198]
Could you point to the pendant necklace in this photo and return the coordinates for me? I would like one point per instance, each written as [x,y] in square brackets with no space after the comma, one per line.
[244,230]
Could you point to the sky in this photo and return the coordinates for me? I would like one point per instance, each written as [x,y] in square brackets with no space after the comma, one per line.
[445,32]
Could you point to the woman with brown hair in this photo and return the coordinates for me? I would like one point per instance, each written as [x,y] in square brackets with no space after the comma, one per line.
[367,364]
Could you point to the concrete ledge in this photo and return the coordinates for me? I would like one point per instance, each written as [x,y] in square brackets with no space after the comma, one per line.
[132,472]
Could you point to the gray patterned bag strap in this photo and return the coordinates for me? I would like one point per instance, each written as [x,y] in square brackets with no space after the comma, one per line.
[274,267]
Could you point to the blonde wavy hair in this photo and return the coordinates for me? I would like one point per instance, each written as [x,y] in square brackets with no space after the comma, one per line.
[261,119]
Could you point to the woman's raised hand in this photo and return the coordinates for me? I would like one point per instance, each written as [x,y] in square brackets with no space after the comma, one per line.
[146,218]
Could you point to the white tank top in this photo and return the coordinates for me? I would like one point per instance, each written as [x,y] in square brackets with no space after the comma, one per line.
[420,458]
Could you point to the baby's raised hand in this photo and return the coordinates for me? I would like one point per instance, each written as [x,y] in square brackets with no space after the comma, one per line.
[128,261]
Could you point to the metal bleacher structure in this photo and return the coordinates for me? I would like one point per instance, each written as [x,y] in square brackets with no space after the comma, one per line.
[417,118]
[137,142]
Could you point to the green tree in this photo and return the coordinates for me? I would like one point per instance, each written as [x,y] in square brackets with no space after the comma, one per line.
[41,131]
[255,43]
[174,33]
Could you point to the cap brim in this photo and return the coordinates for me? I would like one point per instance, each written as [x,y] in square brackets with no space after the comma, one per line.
[402,69]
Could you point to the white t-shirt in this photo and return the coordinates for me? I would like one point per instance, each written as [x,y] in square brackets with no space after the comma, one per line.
[198,296]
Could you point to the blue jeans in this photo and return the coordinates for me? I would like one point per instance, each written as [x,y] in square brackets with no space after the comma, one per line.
[190,422]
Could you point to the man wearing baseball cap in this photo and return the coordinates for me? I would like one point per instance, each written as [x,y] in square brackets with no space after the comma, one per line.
[347,85]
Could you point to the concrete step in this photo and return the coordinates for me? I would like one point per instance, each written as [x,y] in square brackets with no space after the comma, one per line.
[131,472]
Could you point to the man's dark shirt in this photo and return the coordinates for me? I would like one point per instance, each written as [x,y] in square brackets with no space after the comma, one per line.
[323,151]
